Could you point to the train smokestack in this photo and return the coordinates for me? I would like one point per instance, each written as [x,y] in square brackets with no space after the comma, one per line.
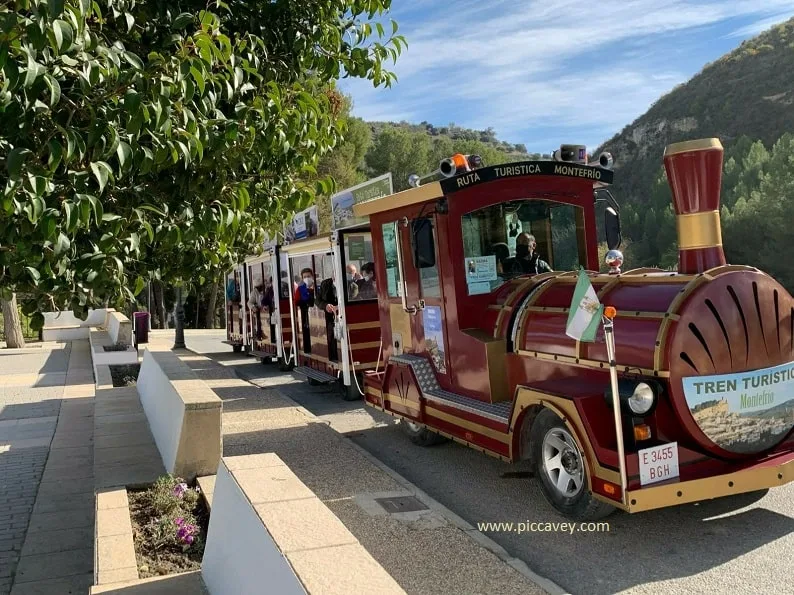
[694,172]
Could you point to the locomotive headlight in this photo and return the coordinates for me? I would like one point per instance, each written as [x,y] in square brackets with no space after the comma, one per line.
[641,400]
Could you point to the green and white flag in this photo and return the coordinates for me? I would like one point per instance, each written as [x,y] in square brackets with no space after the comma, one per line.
[586,311]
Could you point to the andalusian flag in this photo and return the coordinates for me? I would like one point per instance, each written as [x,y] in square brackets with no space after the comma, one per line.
[586,311]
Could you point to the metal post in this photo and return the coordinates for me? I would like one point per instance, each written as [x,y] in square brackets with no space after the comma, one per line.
[179,323]
[609,337]
[345,356]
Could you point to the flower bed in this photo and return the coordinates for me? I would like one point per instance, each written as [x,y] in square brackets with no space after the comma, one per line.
[169,527]
[125,375]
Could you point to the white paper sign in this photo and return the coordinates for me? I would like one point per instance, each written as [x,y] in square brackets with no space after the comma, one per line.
[480,268]
[658,463]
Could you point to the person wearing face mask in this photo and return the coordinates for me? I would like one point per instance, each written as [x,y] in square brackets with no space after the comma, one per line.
[366,286]
[304,299]
[527,260]
[352,273]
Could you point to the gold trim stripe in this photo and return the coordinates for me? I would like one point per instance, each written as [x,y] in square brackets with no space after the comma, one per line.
[589,363]
[699,230]
[370,345]
[687,146]
[468,425]
[362,325]
[407,403]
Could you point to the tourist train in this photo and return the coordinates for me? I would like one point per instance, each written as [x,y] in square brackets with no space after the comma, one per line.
[480,266]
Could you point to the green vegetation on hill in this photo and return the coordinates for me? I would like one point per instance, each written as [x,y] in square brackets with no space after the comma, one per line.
[748,92]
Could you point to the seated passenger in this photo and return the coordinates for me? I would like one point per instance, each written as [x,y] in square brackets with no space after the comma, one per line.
[502,253]
[367,289]
[527,260]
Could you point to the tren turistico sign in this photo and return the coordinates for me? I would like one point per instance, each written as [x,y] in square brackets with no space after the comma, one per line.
[527,168]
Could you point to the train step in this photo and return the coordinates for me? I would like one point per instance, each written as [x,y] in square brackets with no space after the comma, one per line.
[432,391]
[315,374]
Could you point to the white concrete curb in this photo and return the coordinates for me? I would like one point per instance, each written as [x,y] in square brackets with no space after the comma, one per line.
[483,540]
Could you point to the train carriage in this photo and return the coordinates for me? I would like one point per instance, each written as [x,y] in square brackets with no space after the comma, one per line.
[234,294]
[476,349]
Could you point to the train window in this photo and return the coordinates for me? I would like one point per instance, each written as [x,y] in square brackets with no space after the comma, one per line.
[284,267]
[496,241]
[424,249]
[359,267]
[393,280]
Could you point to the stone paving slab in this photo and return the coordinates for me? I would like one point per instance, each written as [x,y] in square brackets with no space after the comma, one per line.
[425,553]
[55,550]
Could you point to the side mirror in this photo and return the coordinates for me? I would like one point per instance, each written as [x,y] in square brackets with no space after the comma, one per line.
[612,228]
[423,243]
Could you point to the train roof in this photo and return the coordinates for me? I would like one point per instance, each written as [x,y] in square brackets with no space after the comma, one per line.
[523,169]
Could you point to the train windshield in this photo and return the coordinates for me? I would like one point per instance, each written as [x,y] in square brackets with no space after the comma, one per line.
[520,237]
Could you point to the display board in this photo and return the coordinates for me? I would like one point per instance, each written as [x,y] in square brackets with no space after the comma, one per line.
[342,202]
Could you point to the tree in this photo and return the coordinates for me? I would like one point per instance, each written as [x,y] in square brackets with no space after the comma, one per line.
[11,325]
[148,142]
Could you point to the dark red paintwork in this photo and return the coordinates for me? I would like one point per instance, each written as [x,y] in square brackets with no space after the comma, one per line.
[643,303]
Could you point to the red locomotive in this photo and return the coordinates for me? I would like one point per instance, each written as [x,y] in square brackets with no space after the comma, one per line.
[474,313]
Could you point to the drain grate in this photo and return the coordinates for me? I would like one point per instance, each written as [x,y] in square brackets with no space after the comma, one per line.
[401,504]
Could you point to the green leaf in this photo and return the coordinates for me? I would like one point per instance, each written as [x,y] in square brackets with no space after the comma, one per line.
[182,21]
[34,274]
[55,89]
[133,59]
[149,231]
[124,153]
[63,35]
[199,78]
[56,154]
[130,21]
[15,160]
[139,285]
[36,321]
[101,171]
[99,211]
[71,220]
[61,244]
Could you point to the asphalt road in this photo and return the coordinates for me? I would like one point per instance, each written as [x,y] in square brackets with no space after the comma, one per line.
[742,544]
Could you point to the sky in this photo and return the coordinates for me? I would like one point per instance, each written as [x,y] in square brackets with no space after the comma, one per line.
[553,72]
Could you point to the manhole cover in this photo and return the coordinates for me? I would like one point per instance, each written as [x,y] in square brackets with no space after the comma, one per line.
[401,504]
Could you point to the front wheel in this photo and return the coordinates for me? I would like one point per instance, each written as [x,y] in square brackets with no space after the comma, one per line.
[419,434]
[237,348]
[560,465]
[351,393]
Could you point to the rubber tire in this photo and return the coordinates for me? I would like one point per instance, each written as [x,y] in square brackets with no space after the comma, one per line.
[237,348]
[283,366]
[583,506]
[266,360]
[350,393]
[422,436]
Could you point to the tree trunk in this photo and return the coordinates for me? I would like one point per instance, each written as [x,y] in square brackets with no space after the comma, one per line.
[159,305]
[11,324]
[212,304]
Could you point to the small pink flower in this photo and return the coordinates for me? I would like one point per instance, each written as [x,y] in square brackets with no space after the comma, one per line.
[189,539]
[179,521]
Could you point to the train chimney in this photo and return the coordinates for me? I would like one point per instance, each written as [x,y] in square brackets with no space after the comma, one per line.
[694,172]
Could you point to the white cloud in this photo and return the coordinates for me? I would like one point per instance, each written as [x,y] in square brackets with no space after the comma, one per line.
[520,65]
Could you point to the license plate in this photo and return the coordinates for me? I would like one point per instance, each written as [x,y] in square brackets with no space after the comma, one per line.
[658,463]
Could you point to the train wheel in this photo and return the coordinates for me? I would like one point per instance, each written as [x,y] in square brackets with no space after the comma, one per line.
[560,465]
[283,366]
[351,393]
[237,348]
[419,434]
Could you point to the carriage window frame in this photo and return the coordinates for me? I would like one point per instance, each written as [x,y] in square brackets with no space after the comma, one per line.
[344,253]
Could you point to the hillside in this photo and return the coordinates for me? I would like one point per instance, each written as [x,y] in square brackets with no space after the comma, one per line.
[748,92]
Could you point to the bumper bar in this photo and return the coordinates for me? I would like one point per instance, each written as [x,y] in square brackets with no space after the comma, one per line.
[759,477]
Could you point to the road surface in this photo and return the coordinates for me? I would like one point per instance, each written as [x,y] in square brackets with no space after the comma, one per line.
[742,544]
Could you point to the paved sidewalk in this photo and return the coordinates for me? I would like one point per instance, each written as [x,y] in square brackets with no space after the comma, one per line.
[417,546]
[46,474]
